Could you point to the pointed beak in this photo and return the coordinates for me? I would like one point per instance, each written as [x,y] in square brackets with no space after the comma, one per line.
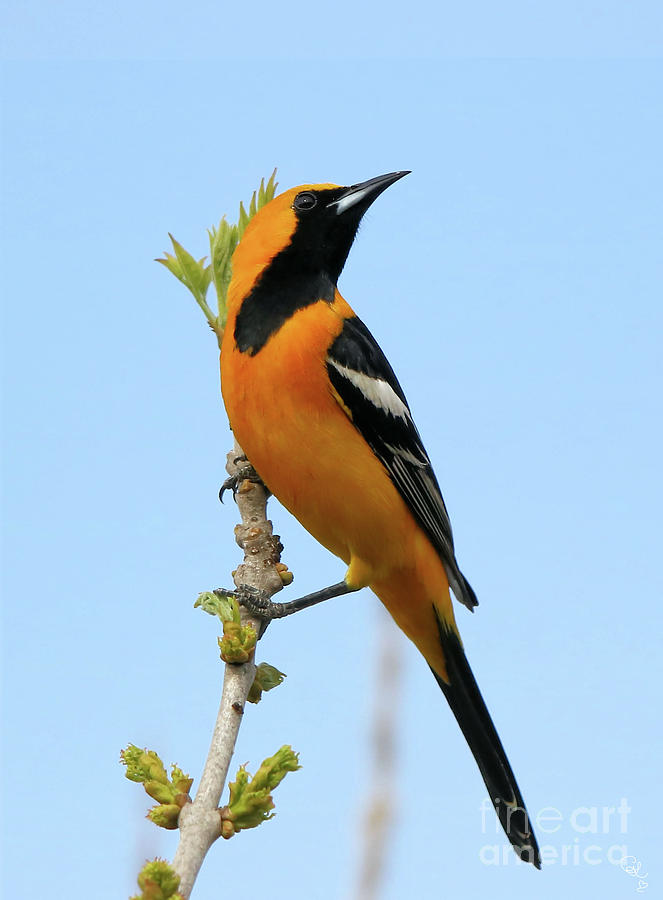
[360,196]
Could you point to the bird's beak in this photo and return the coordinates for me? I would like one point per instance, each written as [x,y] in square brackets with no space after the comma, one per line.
[362,195]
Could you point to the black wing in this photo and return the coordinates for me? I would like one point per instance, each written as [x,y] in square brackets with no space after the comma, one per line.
[365,382]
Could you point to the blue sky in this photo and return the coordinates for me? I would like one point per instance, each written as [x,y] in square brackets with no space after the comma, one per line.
[514,281]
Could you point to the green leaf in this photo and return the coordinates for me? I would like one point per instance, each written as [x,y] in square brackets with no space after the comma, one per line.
[266,679]
[222,246]
[265,194]
[194,274]
[242,221]
[218,603]
[171,263]
[193,271]
[222,240]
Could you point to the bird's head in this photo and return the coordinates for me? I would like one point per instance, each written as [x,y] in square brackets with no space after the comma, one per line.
[315,224]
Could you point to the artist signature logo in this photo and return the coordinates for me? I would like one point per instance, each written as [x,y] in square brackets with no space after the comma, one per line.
[632,866]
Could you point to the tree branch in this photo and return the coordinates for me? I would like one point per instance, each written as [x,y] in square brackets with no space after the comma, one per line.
[200,821]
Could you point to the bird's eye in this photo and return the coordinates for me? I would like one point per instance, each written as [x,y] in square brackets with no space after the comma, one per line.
[305,200]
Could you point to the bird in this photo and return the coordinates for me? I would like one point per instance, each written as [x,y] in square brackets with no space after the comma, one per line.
[316,407]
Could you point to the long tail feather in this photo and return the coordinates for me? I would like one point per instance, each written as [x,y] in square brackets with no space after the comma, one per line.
[467,705]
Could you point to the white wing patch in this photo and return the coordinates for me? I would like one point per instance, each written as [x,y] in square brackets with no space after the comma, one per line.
[375,390]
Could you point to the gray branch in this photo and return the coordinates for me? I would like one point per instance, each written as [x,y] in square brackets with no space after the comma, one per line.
[200,822]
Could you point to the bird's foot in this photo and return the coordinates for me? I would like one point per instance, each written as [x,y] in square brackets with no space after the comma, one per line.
[244,473]
[257,602]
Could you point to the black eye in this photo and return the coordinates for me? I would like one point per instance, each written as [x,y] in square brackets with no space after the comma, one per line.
[305,200]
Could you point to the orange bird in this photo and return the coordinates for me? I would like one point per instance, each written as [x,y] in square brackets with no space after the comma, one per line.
[316,407]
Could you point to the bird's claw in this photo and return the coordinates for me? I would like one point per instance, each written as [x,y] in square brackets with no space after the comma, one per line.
[257,602]
[245,473]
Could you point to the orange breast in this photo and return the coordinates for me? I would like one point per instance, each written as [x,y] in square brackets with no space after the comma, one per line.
[285,416]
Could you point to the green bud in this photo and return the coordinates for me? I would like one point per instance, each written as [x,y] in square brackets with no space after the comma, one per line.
[143,765]
[154,767]
[162,793]
[131,759]
[248,807]
[274,769]
[171,794]
[165,815]
[285,574]
[227,829]
[181,782]
[237,643]
[158,881]
[251,802]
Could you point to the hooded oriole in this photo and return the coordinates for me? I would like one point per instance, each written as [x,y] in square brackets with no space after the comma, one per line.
[320,414]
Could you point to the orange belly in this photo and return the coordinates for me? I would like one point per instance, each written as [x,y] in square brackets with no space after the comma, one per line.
[313,459]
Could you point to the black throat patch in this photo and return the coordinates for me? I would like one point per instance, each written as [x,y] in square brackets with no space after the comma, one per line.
[303,273]
[281,290]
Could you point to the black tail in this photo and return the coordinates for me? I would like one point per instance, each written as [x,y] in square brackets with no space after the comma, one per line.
[466,702]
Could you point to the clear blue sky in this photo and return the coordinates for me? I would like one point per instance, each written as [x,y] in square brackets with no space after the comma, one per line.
[514,280]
